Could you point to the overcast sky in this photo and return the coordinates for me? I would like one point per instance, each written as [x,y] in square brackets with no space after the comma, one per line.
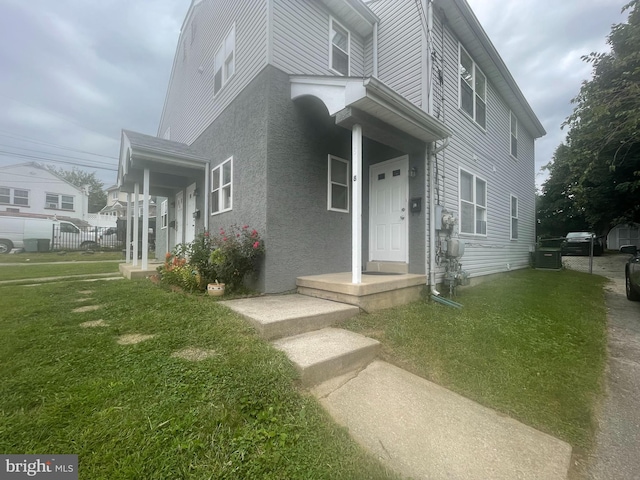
[73,73]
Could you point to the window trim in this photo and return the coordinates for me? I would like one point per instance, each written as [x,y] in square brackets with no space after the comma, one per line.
[224,73]
[512,197]
[475,203]
[12,196]
[513,137]
[331,45]
[475,70]
[219,171]
[60,202]
[330,184]
[164,214]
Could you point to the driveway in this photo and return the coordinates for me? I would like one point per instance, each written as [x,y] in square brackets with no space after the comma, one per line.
[616,456]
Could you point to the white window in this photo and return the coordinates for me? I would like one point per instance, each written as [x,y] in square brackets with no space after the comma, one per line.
[514,135]
[14,196]
[340,48]
[473,89]
[164,214]
[514,218]
[338,184]
[221,187]
[225,61]
[167,134]
[473,204]
[59,202]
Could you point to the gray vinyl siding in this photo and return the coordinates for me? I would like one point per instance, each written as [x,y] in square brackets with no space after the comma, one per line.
[190,106]
[400,47]
[486,154]
[300,35]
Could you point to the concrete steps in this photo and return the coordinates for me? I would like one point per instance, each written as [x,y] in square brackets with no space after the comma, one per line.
[324,354]
[298,325]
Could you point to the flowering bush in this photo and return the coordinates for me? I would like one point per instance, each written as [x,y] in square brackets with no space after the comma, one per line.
[228,257]
[236,254]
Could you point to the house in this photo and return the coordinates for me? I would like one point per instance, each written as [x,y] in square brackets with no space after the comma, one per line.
[117,204]
[30,189]
[380,136]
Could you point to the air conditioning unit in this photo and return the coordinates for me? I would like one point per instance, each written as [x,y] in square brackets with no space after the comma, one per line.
[549,258]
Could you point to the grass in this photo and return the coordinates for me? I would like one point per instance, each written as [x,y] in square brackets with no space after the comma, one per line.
[134,411]
[26,271]
[531,344]
[37,257]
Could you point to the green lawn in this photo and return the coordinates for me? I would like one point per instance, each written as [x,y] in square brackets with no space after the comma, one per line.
[530,343]
[37,257]
[135,411]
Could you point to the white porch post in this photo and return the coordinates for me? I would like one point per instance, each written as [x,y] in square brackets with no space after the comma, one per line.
[128,237]
[356,204]
[145,219]
[136,228]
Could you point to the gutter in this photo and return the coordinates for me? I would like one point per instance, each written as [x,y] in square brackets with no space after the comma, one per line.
[430,167]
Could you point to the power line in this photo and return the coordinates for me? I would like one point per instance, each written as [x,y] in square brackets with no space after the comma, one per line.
[34,157]
[23,138]
[50,153]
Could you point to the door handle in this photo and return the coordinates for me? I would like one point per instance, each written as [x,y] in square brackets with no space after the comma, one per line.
[401,217]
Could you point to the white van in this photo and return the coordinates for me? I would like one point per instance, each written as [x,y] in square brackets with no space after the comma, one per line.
[60,234]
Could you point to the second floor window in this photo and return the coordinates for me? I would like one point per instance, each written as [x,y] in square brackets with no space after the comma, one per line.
[59,202]
[225,61]
[14,196]
[340,48]
[338,185]
[473,89]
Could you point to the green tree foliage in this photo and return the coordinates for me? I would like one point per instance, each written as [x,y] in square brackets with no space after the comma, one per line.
[558,212]
[79,178]
[600,169]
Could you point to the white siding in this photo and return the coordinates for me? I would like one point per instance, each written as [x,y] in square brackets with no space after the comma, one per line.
[190,106]
[486,153]
[300,33]
[400,47]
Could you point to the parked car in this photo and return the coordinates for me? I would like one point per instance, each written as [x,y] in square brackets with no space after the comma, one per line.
[632,272]
[109,238]
[579,243]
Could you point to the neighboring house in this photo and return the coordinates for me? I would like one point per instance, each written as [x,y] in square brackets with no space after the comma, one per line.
[623,234]
[353,135]
[117,204]
[30,189]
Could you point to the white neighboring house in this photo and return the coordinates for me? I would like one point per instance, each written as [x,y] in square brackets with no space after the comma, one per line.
[30,189]
[116,206]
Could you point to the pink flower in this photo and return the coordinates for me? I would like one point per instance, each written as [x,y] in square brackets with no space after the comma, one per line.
[256,245]
[245,227]
[238,235]
[224,239]
[206,234]
[254,232]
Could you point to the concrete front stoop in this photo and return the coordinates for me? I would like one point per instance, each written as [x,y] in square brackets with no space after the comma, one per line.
[415,427]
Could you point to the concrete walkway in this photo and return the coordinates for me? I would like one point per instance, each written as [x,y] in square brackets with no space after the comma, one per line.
[417,428]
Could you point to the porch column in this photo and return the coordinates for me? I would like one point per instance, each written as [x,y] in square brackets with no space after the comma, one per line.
[356,204]
[136,228]
[145,219]
[127,242]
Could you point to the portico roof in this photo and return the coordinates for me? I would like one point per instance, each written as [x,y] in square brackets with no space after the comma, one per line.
[171,164]
[353,99]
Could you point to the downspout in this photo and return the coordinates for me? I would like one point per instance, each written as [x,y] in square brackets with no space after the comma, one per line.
[430,167]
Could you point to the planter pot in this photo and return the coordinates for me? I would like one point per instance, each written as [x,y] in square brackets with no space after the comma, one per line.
[215,289]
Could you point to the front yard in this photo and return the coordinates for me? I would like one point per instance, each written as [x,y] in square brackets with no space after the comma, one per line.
[161,384]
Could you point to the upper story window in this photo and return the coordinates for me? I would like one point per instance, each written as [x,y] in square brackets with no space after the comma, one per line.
[340,48]
[514,135]
[473,204]
[114,195]
[59,202]
[225,61]
[222,187]
[514,218]
[338,185]
[14,196]
[473,89]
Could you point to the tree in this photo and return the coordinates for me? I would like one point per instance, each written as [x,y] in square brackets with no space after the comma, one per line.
[81,179]
[603,157]
[558,212]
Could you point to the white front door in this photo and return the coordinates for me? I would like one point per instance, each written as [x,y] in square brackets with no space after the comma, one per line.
[189,220]
[388,219]
[179,217]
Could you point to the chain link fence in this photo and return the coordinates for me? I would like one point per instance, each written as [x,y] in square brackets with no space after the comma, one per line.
[575,255]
